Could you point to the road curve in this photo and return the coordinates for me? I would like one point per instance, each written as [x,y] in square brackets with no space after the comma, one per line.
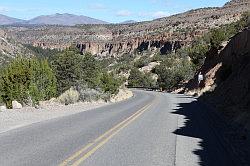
[147,130]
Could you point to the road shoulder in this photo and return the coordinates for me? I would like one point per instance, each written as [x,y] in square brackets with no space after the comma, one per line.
[15,118]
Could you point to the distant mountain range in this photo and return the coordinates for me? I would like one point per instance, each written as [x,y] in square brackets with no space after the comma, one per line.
[55,19]
[4,20]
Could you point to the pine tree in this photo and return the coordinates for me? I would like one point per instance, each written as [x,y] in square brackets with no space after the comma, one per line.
[25,79]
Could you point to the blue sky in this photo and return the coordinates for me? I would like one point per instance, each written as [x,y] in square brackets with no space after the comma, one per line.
[108,10]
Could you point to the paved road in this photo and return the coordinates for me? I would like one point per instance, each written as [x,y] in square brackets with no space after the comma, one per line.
[147,130]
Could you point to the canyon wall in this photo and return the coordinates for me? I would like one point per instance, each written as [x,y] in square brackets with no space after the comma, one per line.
[128,47]
[166,34]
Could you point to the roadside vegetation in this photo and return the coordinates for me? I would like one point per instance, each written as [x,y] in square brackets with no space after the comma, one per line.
[172,72]
[27,81]
[139,79]
[84,73]
[180,66]
[32,80]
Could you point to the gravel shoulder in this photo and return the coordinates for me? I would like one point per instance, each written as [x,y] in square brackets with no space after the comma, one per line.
[15,118]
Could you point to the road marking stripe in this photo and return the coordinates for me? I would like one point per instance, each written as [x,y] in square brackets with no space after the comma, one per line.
[119,124]
[89,153]
[75,155]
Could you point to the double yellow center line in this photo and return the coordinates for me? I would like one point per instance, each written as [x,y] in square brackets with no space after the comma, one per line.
[81,155]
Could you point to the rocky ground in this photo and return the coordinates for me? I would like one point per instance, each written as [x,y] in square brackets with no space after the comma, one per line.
[15,118]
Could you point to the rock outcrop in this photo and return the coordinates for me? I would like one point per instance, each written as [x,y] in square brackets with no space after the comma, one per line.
[16,105]
[128,47]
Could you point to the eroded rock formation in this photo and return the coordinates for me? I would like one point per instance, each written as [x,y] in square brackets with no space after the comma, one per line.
[129,47]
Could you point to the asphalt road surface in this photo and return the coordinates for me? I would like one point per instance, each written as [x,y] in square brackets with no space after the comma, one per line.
[150,129]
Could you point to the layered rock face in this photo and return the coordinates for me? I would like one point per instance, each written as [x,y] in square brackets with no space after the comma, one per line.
[116,49]
[165,34]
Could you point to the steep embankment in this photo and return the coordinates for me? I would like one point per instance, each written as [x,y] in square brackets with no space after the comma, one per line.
[10,48]
[227,79]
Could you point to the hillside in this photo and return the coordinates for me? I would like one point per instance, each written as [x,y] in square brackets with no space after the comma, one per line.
[165,34]
[226,84]
[64,19]
[162,35]
[10,49]
[5,20]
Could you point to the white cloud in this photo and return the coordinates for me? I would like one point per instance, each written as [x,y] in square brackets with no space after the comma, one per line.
[123,13]
[154,15]
[3,9]
[98,6]
[160,14]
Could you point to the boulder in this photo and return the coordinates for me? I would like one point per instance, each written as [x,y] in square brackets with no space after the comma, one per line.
[3,108]
[16,105]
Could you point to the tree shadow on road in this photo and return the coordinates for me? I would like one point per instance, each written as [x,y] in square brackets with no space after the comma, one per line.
[196,125]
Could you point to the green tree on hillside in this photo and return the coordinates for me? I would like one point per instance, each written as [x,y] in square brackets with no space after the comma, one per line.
[75,70]
[140,80]
[197,53]
[43,53]
[91,71]
[27,79]
[68,69]
[172,72]
[217,37]
[109,83]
